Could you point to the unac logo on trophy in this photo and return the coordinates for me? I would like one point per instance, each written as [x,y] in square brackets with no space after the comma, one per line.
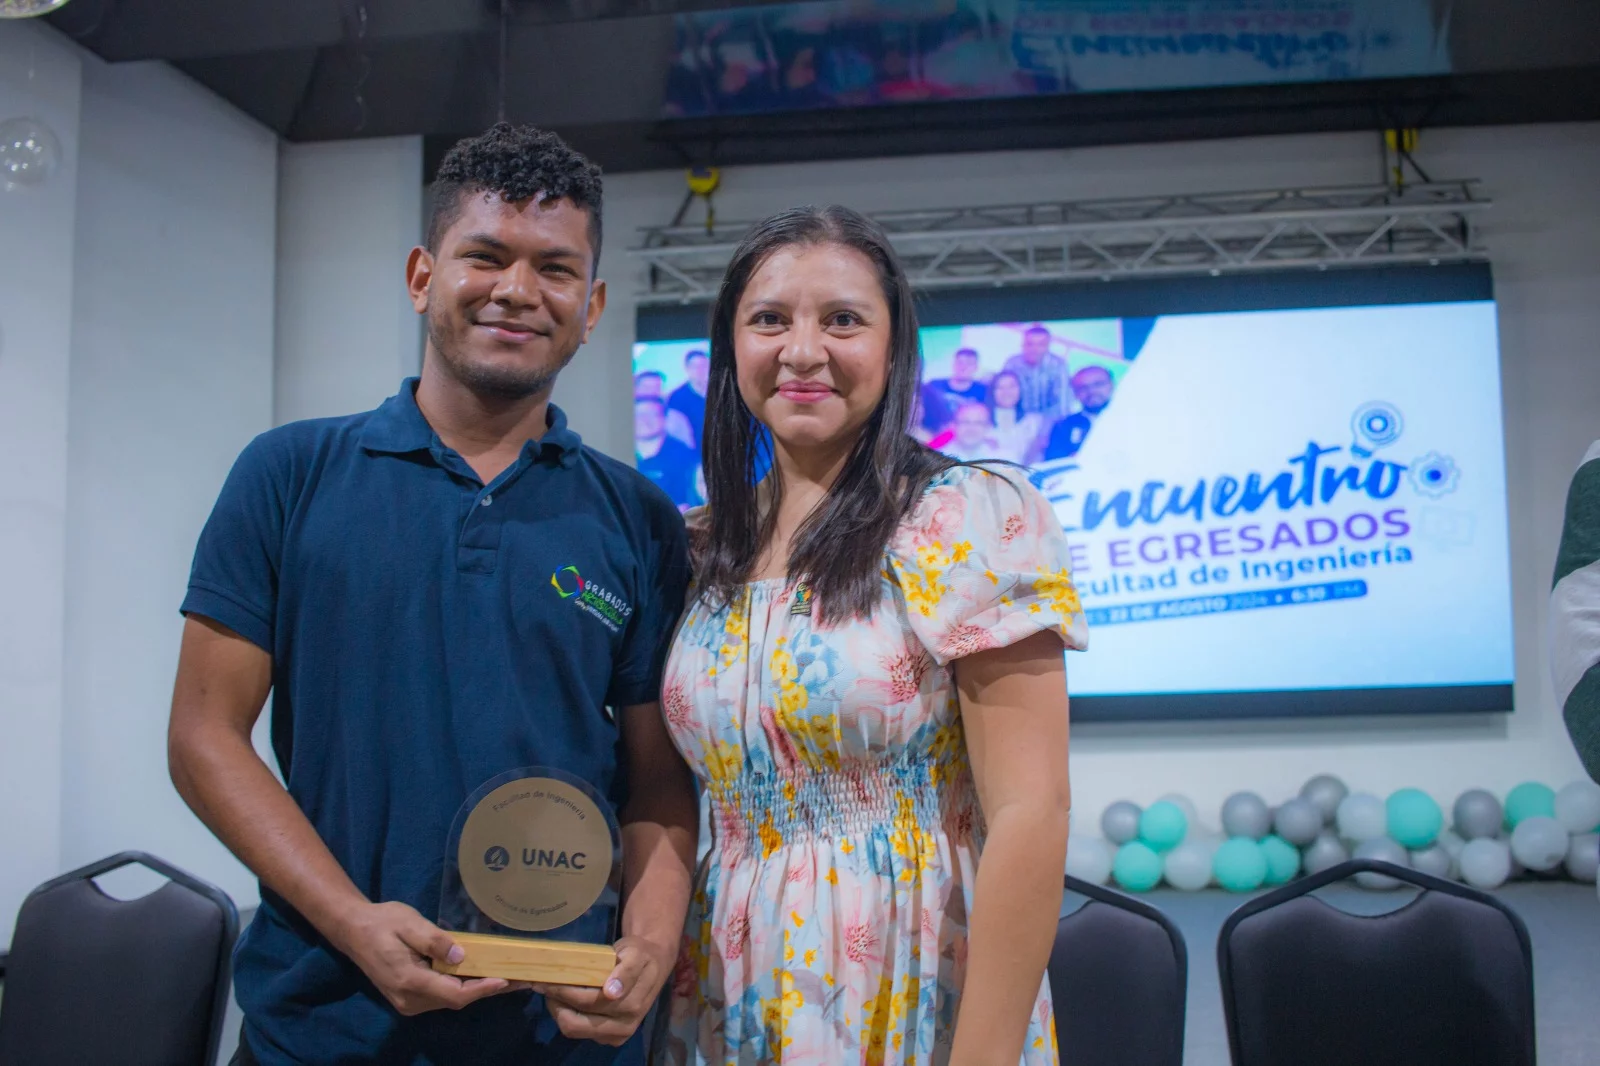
[592,598]
[535,853]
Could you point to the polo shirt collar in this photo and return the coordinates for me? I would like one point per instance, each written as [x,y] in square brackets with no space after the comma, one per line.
[397,427]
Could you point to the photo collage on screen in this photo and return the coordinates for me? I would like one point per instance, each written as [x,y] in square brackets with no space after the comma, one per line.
[1023,392]
[669,416]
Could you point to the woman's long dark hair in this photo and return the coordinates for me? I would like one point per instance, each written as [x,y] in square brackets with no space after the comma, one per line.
[838,550]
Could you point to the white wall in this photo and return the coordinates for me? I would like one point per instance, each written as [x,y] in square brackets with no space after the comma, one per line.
[1541,233]
[348,214]
[171,375]
[36,242]
[136,316]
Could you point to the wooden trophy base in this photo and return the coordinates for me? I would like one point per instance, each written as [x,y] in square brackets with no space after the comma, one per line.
[549,962]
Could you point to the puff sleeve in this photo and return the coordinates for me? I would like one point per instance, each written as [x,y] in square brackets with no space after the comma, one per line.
[982,563]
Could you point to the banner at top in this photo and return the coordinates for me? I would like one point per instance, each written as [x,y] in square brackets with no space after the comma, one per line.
[834,53]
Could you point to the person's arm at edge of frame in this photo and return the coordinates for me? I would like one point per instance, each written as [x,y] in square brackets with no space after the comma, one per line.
[222,684]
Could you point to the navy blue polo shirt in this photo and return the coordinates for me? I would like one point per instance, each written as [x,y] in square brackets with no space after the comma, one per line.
[424,639]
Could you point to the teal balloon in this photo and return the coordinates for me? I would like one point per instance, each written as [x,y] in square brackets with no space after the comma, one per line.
[1283,859]
[1530,800]
[1415,819]
[1240,865]
[1137,867]
[1162,825]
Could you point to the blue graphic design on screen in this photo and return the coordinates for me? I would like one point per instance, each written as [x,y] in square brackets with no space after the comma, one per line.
[1344,464]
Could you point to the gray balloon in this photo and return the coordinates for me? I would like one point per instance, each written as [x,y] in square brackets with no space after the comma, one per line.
[1434,860]
[1298,821]
[1245,814]
[1120,822]
[1380,848]
[1478,815]
[1323,853]
[1324,792]
[1583,857]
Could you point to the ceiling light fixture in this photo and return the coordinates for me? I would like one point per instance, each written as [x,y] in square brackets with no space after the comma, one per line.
[27,9]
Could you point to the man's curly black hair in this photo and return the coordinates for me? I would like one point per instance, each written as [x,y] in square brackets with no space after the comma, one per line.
[516,162]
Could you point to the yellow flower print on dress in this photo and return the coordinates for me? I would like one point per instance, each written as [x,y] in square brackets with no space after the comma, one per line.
[777,1014]
[814,738]
[875,1026]
[910,841]
[724,762]
[904,1005]
[771,839]
[735,637]
[1058,590]
[923,584]
[946,753]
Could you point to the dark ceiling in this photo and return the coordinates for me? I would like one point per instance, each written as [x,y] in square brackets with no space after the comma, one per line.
[595,70]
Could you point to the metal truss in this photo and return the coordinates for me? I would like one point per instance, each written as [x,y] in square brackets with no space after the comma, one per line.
[1290,229]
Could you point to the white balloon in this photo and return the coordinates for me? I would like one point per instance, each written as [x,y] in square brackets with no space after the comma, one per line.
[1188,866]
[1578,807]
[1208,842]
[1485,863]
[1362,817]
[1089,859]
[1583,856]
[1450,842]
[1539,843]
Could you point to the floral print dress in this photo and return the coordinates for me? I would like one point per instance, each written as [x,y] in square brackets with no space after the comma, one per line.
[829,920]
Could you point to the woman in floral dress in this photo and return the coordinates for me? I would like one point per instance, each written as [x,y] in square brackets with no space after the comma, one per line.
[869,683]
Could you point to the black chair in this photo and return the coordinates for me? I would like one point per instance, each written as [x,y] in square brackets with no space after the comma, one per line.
[1119,976]
[96,981]
[1445,980]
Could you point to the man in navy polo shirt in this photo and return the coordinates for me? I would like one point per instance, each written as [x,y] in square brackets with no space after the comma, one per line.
[400,580]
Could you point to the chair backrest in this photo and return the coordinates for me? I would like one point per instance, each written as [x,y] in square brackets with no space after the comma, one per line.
[1445,980]
[95,980]
[1119,976]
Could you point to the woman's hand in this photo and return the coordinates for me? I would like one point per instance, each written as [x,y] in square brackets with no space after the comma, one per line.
[612,1013]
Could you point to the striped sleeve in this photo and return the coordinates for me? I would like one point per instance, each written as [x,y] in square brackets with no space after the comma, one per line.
[1575,613]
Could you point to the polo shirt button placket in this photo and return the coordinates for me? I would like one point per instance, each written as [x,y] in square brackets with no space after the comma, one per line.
[478,551]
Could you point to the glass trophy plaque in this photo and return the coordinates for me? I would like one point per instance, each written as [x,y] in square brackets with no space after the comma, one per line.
[532,880]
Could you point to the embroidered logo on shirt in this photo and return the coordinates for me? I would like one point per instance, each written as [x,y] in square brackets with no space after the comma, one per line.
[592,598]
[577,579]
